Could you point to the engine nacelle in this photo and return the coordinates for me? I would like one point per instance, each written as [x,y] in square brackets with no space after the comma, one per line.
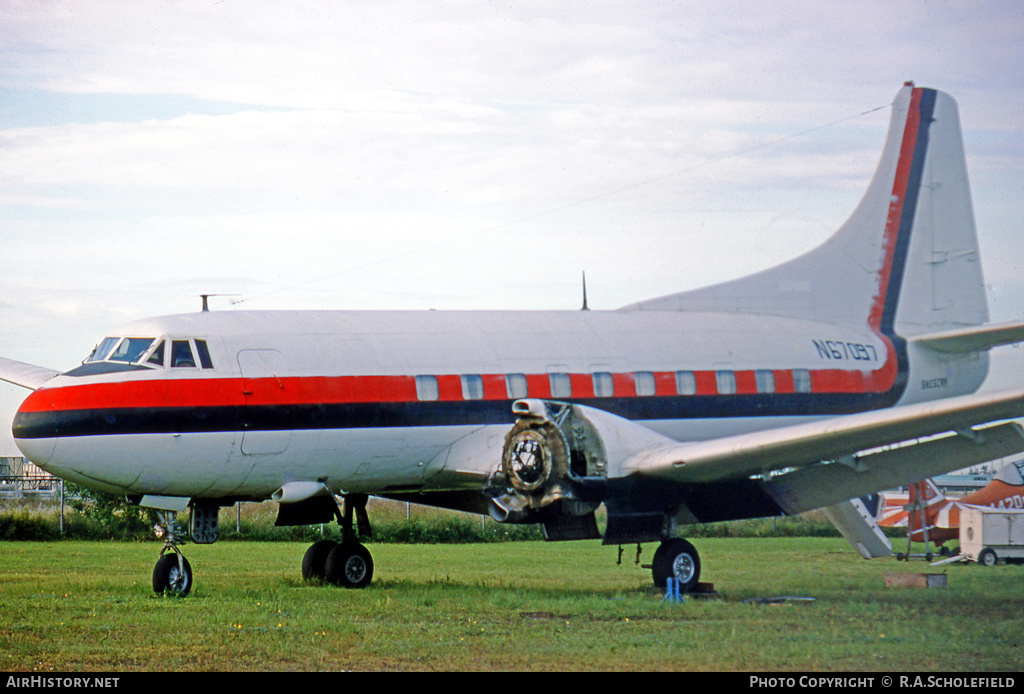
[553,457]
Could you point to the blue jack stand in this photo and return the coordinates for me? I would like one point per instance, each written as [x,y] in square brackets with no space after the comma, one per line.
[672,593]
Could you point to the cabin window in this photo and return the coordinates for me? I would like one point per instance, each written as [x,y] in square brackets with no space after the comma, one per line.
[472,387]
[426,388]
[801,380]
[644,383]
[181,355]
[204,354]
[726,381]
[765,381]
[561,386]
[603,386]
[686,383]
[515,386]
[157,357]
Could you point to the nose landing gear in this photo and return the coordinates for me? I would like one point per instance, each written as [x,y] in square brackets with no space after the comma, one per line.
[172,573]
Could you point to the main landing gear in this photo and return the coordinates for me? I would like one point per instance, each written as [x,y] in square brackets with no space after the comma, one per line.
[677,559]
[347,563]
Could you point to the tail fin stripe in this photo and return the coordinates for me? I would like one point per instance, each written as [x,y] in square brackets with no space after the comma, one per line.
[903,205]
[898,227]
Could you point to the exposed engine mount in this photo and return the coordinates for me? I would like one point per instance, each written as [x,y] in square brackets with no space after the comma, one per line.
[552,468]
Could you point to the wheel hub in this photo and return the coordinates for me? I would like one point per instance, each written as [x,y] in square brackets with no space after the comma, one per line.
[683,568]
[177,580]
[355,569]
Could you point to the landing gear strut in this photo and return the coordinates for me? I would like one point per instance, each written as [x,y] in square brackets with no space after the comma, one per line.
[347,564]
[172,573]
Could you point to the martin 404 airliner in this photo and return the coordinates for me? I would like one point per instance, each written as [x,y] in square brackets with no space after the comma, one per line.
[848,370]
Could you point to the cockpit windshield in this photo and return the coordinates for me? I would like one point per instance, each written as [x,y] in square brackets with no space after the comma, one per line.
[104,349]
[131,349]
[127,350]
[146,352]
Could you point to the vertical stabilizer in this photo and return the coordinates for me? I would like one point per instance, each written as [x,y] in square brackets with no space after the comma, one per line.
[906,261]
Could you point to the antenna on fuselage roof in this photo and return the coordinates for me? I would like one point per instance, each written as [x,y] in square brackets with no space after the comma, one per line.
[585,307]
[206,302]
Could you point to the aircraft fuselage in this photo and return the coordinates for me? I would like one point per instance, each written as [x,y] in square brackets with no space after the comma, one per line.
[371,401]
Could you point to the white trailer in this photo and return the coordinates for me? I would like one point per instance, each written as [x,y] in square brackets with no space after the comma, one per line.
[988,535]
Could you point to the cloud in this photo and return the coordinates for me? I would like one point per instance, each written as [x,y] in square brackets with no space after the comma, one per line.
[457,154]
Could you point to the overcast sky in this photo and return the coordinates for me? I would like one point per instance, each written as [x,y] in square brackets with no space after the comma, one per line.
[468,155]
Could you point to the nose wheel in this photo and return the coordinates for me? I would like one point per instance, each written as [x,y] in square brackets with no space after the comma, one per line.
[172,574]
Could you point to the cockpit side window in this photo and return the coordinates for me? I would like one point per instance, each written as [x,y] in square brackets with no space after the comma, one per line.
[204,354]
[181,355]
[157,357]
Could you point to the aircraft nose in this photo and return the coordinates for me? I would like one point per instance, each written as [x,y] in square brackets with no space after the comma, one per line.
[39,451]
[31,440]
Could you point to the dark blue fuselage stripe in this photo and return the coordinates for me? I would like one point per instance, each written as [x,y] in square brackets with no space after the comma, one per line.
[158,420]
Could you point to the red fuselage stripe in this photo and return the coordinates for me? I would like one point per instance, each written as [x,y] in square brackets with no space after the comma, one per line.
[229,392]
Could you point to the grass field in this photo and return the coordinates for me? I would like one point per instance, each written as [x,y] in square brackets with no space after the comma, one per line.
[88,606]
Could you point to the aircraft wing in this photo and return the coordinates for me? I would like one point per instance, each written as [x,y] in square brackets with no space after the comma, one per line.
[800,445]
[25,375]
[817,464]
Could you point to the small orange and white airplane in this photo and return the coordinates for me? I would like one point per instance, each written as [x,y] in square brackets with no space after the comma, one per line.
[941,515]
[846,371]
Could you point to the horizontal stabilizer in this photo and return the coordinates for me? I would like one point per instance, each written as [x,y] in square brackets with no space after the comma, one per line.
[25,375]
[973,339]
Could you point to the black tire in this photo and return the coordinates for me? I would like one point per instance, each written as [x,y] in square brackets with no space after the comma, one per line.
[678,559]
[987,557]
[349,565]
[169,577]
[315,560]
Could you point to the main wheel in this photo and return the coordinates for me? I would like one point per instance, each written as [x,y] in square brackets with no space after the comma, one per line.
[676,559]
[987,557]
[315,560]
[171,577]
[349,565]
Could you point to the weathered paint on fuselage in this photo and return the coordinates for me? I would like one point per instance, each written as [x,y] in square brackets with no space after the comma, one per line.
[335,395]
